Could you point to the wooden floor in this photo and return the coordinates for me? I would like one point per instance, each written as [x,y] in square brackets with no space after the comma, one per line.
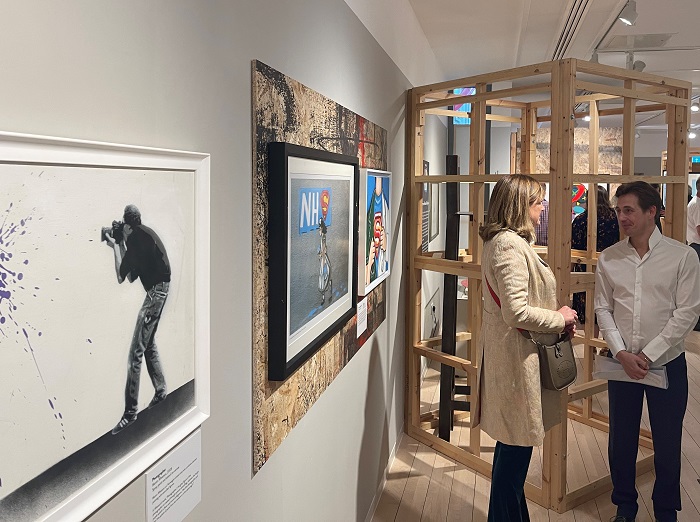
[423,485]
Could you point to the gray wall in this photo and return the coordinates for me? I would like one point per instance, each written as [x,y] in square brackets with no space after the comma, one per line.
[176,74]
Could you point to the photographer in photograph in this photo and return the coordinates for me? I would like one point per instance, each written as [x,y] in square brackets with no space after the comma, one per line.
[139,253]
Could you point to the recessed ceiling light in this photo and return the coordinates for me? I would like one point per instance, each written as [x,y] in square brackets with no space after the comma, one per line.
[692,135]
[587,117]
[628,15]
[695,107]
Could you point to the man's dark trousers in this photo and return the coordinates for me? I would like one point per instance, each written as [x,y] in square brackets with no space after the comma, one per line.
[666,412]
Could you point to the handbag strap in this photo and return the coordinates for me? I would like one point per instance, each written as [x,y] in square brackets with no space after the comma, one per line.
[525,333]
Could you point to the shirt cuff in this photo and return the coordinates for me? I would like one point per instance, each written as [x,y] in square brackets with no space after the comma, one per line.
[656,348]
[615,343]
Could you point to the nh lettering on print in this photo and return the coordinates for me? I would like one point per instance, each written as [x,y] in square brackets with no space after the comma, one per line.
[314,204]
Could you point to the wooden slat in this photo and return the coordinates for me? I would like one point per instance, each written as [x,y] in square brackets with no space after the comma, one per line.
[444,358]
[500,76]
[656,107]
[676,210]
[631,93]
[483,96]
[414,164]
[501,117]
[448,112]
[444,447]
[448,266]
[628,125]
[587,389]
[607,71]
[431,342]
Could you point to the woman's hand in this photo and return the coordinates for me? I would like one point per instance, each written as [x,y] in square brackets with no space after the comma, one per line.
[571,330]
[569,316]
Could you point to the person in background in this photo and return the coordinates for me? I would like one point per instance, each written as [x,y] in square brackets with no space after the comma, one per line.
[647,299]
[542,227]
[607,234]
[513,408]
[692,233]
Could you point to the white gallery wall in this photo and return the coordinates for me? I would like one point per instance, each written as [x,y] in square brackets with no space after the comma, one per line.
[176,74]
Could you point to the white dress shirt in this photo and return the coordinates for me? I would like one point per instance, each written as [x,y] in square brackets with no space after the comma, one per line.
[691,234]
[651,303]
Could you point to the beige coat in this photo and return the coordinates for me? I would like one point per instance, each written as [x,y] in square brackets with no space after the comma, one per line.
[513,408]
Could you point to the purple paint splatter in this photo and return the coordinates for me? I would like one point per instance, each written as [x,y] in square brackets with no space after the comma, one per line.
[12,271]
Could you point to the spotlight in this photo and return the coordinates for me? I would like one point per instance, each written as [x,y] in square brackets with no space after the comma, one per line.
[628,15]
[692,135]
[695,107]
[587,117]
[638,66]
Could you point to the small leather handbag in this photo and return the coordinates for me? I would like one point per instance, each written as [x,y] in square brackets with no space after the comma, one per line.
[557,362]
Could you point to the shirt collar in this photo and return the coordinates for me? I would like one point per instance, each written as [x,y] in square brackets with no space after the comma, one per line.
[654,239]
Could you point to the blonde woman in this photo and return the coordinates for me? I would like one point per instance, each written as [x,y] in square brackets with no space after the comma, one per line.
[519,293]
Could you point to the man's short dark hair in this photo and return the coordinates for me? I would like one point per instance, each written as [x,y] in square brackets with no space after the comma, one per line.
[132,216]
[697,185]
[647,195]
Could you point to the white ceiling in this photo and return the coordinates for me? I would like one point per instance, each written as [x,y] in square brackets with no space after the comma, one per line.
[472,37]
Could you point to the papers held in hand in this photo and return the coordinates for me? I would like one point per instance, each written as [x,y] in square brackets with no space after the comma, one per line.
[611,369]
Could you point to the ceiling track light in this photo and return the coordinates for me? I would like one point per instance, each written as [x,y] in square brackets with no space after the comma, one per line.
[628,15]
[695,107]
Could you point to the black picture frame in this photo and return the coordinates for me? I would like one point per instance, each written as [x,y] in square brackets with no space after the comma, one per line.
[313,241]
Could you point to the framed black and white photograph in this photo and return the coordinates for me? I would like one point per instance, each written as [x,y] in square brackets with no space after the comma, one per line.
[313,222]
[104,317]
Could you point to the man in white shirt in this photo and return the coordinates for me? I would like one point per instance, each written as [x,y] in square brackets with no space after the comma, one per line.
[647,299]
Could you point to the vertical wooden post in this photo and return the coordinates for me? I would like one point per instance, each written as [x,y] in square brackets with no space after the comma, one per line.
[559,248]
[591,241]
[628,129]
[528,138]
[677,165]
[477,156]
[414,168]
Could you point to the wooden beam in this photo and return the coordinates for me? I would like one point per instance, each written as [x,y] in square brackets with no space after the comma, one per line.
[448,266]
[631,93]
[607,71]
[414,166]
[444,358]
[501,76]
[628,126]
[483,96]
[431,342]
[587,389]
[677,165]
[500,117]
[448,112]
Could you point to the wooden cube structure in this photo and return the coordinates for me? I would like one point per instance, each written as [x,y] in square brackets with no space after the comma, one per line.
[564,87]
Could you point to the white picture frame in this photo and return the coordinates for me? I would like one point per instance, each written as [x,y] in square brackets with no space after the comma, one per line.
[53,496]
[375,226]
